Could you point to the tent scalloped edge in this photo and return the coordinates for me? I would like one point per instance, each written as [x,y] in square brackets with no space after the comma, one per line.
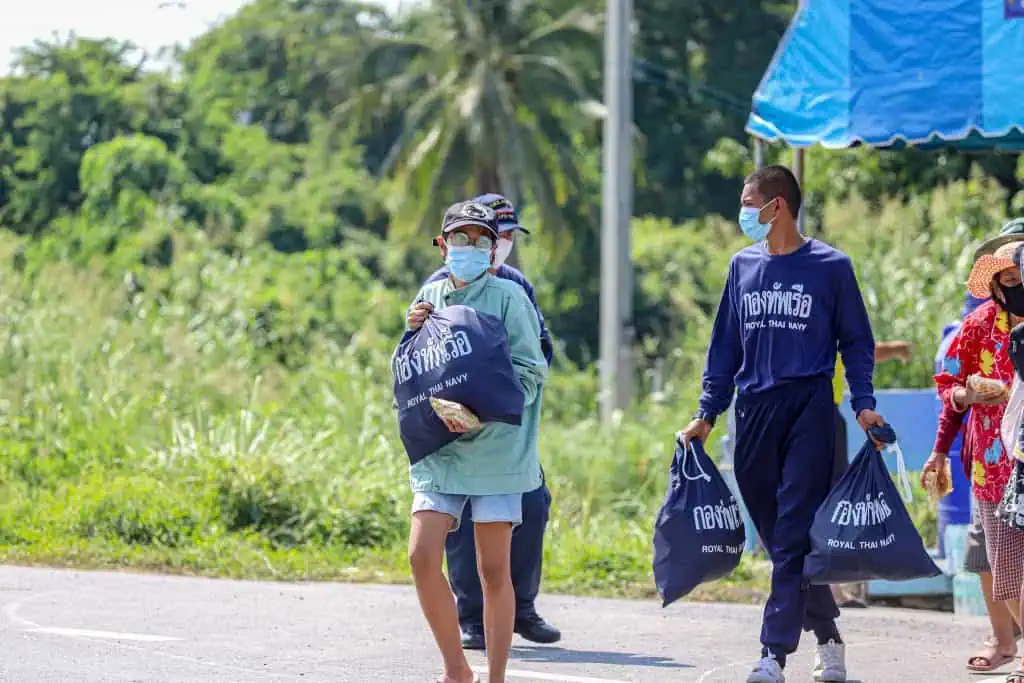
[934,138]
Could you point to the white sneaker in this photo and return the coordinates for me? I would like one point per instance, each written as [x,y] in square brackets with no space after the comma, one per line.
[767,671]
[830,663]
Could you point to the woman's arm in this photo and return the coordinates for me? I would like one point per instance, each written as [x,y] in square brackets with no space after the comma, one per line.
[891,350]
[950,422]
[960,361]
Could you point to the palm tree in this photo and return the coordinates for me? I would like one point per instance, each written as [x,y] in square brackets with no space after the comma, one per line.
[486,89]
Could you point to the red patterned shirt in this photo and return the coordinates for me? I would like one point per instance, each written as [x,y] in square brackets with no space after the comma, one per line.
[981,348]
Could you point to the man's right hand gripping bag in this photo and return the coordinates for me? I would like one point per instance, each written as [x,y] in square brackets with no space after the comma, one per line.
[459,355]
[862,531]
[698,535]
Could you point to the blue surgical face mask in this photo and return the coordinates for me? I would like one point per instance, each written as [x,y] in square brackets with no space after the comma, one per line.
[751,225]
[468,263]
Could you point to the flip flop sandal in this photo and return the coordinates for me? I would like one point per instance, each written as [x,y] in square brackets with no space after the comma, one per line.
[982,664]
[991,642]
[1016,677]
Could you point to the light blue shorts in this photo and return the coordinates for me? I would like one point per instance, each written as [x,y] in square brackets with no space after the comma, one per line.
[486,509]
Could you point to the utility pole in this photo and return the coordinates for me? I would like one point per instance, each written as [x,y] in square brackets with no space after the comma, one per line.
[616,211]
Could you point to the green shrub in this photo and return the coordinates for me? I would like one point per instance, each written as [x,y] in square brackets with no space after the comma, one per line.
[136,509]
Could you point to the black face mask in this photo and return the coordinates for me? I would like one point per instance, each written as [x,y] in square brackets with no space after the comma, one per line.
[1014,299]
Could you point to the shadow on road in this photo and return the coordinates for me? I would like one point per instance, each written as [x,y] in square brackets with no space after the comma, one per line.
[563,656]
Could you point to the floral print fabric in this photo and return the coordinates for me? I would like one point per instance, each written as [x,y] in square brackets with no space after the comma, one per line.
[981,348]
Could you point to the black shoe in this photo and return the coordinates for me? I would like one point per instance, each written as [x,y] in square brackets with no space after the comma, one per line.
[536,630]
[473,637]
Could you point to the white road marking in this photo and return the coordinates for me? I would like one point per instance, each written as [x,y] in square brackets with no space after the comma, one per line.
[11,611]
[108,635]
[719,669]
[556,678]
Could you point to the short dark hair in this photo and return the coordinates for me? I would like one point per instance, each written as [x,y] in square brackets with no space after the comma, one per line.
[777,181]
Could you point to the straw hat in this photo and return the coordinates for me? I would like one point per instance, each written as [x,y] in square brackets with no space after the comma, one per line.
[979,284]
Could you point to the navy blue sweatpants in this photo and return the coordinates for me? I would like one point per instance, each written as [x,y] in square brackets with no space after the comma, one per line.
[527,556]
[785,440]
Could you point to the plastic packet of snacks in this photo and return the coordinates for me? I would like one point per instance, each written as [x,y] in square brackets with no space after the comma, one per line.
[938,485]
[455,412]
[987,387]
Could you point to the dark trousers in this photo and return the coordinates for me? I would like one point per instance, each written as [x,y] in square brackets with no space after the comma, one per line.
[841,449]
[784,463]
[527,556]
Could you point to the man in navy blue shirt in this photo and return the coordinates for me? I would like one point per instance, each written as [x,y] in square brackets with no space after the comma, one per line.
[790,303]
[528,537]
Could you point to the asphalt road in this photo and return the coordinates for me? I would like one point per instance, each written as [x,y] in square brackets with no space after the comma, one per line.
[67,627]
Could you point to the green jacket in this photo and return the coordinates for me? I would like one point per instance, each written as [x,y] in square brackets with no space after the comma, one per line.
[498,458]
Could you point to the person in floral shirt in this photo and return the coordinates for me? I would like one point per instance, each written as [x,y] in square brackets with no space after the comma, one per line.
[981,350]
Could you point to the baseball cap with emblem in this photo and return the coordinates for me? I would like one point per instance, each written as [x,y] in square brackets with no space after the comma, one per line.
[508,219]
[462,214]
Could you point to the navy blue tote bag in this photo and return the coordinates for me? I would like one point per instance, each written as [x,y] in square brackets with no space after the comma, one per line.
[462,355]
[863,531]
[698,535]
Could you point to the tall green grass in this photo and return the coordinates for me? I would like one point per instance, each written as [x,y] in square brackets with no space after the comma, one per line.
[137,432]
[232,415]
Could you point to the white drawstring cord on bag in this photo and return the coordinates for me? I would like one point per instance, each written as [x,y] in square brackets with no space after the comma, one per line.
[902,479]
[687,450]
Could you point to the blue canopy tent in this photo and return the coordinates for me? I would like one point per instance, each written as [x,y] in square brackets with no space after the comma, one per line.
[893,73]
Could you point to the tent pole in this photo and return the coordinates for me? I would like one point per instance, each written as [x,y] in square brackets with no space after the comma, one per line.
[758,153]
[798,171]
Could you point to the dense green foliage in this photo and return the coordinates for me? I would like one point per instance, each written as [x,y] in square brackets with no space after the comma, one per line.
[204,270]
